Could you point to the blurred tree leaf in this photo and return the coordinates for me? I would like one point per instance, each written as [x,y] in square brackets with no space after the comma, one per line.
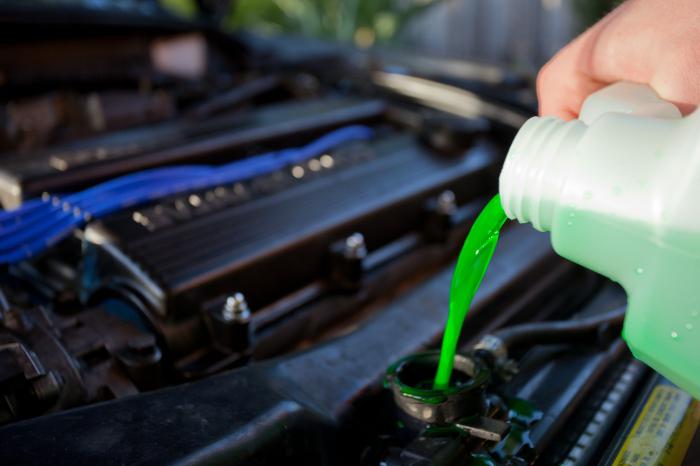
[184,8]
[362,21]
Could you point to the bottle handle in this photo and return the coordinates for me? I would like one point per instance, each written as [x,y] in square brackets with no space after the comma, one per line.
[629,98]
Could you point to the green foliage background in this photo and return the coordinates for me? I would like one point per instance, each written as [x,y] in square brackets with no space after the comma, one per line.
[375,20]
[336,19]
[363,21]
[590,11]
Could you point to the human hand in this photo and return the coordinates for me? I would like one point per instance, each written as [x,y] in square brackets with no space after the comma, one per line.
[652,42]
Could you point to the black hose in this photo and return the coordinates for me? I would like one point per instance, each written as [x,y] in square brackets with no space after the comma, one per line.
[597,329]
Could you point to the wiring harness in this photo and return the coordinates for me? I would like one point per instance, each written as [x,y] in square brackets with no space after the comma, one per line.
[42,222]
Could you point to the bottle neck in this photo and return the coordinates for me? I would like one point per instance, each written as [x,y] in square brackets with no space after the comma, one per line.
[536,169]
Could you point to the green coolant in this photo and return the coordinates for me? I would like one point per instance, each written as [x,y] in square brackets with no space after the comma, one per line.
[658,267]
[471,265]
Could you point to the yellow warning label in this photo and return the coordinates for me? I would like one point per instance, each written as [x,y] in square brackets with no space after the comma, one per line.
[663,430]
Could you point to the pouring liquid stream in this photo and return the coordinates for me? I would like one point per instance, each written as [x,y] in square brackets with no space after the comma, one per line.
[471,266]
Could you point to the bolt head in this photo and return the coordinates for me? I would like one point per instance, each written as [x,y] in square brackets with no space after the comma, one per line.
[48,386]
[236,309]
[355,247]
[446,202]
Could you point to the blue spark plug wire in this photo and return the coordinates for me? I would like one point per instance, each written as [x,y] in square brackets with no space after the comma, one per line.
[40,223]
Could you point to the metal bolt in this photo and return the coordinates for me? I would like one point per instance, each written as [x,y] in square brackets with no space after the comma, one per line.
[446,203]
[236,309]
[355,247]
[494,346]
[47,387]
[492,430]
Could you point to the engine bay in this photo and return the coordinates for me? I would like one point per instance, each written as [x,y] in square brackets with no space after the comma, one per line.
[284,312]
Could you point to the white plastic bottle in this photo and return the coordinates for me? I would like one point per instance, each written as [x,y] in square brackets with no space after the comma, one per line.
[619,190]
